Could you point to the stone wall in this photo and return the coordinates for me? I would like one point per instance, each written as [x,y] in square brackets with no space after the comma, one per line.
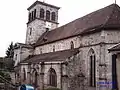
[16,56]
[21,53]
[99,42]
[76,73]
[42,72]
[59,45]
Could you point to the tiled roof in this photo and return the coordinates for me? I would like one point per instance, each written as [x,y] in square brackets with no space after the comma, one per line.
[43,3]
[17,45]
[52,56]
[115,48]
[105,18]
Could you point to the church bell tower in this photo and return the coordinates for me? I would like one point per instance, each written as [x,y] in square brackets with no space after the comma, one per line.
[42,17]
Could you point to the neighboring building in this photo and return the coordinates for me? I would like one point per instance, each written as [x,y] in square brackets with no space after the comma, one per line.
[71,57]
[115,50]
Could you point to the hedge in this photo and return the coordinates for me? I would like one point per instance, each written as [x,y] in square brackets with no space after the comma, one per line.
[52,89]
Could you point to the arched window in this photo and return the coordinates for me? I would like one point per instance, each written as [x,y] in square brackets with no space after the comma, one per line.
[71,45]
[53,48]
[47,15]
[42,13]
[53,16]
[29,16]
[34,13]
[24,74]
[92,61]
[52,77]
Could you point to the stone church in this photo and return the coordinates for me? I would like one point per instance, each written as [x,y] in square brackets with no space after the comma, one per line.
[74,56]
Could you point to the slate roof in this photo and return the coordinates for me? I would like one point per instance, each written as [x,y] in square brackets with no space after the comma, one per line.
[105,18]
[17,45]
[43,3]
[52,56]
[115,48]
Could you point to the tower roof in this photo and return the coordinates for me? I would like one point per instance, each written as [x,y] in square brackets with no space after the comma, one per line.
[43,3]
[106,18]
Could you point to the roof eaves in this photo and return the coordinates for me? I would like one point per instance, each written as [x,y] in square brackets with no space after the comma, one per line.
[39,2]
[112,12]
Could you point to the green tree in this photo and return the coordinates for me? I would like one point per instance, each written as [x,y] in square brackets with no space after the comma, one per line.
[10,51]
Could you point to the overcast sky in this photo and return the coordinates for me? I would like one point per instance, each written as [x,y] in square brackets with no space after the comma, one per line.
[14,16]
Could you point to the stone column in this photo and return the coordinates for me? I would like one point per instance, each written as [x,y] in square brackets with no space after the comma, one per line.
[64,82]
[102,67]
[28,78]
[41,81]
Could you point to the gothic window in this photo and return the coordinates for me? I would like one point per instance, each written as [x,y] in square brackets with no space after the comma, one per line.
[53,16]
[72,45]
[47,15]
[24,74]
[114,72]
[34,13]
[29,16]
[53,48]
[52,77]
[35,81]
[41,13]
[92,61]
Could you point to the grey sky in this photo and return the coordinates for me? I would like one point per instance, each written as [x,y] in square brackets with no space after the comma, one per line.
[14,16]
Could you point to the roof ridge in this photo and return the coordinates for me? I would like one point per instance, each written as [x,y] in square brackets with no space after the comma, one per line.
[110,15]
[96,20]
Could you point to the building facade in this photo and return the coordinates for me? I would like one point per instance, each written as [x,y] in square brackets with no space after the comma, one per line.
[74,56]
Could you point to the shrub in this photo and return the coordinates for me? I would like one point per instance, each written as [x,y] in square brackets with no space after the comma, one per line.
[52,88]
